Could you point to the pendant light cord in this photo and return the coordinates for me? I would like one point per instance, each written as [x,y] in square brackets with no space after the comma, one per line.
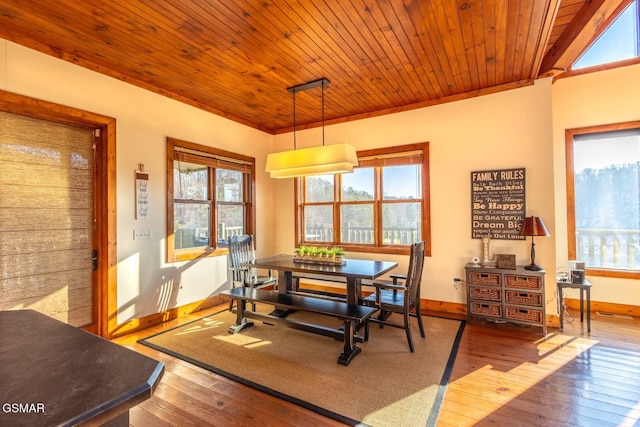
[294,120]
[323,114]
[293,89]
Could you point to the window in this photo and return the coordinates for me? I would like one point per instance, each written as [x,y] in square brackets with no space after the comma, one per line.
[383,206]
[603,196]
[210,198]
[618,42]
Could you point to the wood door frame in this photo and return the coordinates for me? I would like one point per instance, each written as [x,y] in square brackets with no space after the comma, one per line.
[106,274]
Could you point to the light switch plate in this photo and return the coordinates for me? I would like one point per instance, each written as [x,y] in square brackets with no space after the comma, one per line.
[141,234]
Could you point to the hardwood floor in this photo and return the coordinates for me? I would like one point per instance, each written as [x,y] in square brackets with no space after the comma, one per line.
[503,375]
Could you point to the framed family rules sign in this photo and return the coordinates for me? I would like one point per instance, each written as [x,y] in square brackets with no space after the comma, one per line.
[497,203]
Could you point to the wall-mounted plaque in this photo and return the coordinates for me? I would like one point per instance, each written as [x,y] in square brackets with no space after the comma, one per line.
[142,195]
[497,203]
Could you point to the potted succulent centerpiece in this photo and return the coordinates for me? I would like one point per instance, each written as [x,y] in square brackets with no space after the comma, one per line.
[323,253]
[314,254]
[301,253]
[337,254]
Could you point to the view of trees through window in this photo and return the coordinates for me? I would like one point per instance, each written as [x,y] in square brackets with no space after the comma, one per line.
[191,216]
[607,199]
[209,199]
[192,208]
[399,210]
[230,203]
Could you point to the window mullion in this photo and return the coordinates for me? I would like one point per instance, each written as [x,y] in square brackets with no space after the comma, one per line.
[201,202]
[213,234]
[337,200]
[377,211]
[302,229]
[637,27]
[247,200]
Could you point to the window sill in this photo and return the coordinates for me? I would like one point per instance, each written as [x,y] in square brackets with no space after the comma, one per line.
[195,253]
[619,274]
[391,250]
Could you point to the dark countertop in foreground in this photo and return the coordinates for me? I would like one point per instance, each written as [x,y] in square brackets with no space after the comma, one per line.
[52,373]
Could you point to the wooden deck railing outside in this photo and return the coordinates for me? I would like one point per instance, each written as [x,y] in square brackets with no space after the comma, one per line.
[390,235]
[609,248]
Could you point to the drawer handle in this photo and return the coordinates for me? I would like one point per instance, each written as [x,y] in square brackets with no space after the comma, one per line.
[523,311]
[523,295]
[484,275]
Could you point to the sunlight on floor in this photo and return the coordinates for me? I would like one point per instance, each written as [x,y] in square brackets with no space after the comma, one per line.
[555,351]
[393,415]
[208,325]
[552,342]
[242,340]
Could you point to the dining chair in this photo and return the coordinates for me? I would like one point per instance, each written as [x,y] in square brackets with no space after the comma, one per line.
[401,298]
[242,251]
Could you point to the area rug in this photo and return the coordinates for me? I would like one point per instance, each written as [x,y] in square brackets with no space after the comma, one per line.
[385,385]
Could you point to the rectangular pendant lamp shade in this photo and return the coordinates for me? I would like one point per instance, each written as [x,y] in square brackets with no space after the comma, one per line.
[323,160]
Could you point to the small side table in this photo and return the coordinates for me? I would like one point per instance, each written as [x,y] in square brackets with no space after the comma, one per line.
[585,286]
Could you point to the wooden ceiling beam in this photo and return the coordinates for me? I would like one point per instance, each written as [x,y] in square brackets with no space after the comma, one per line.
[550,14]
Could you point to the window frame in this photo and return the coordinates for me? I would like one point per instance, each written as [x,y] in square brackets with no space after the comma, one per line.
[571,202]
[605,27]
[385,155]
[213,249]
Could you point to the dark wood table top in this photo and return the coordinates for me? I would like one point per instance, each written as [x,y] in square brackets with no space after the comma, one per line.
[353,268]
[66,376]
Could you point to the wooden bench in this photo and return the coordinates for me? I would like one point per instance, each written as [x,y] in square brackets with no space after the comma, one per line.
[350,315]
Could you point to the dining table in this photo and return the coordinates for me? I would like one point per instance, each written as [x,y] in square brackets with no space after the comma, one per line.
[353,271]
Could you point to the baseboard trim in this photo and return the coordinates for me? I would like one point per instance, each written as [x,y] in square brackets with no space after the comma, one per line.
[607,307]
[444,307]
[164,316]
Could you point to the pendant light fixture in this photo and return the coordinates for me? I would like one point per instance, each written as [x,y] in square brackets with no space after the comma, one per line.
[323,160]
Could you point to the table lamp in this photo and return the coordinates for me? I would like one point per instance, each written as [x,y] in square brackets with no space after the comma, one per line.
[533,226]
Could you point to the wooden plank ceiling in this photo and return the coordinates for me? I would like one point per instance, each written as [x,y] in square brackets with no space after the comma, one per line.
[236,58]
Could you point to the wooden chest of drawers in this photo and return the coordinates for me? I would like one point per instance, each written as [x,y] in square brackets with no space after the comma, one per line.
[501,295]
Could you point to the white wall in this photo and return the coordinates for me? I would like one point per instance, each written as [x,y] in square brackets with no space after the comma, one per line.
[146,283]
[605,97]
[505,130]
[517,128]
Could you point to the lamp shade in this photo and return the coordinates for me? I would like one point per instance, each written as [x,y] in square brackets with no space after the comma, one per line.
[323,160]
[533,226]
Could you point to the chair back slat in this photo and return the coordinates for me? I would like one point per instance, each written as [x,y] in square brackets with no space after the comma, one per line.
[414,274]
[241,251]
